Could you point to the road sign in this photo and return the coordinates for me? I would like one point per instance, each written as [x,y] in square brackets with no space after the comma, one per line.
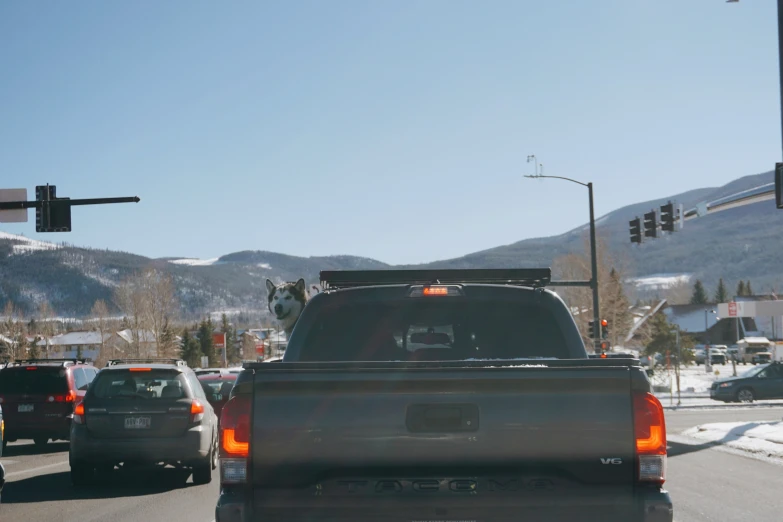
[18,215]
[732,309]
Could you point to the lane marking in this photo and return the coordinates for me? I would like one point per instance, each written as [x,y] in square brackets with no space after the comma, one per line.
[33,470]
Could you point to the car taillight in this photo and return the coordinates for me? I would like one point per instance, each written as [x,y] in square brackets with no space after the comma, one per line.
[196,411]
[63,397]
[235,440]
[650,436]
[78,414]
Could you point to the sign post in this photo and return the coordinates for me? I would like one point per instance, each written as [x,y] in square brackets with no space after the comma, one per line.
[219,341]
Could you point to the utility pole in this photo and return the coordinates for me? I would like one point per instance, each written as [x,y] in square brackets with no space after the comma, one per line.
[677,366]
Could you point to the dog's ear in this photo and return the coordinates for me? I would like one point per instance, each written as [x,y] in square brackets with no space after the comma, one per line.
[270,286]
[300,286]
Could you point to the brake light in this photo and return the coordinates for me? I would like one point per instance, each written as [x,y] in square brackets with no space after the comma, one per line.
[139,369]
[30,368]
[78,414]
[650,437]
[235,440]
[196,411]
[436,290]
[63,397]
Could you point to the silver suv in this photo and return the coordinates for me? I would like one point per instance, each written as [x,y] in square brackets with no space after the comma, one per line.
[143,413]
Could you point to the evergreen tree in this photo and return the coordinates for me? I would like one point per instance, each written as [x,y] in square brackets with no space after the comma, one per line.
[205,330]
[664,338]
[190,350]
[748,289]
[699,295]
[616,309]
[232,354]
[166,341]
[741,288]
[34,352]
[721,295]
[125,324]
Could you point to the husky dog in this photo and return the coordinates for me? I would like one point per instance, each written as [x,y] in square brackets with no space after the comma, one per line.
[286,302]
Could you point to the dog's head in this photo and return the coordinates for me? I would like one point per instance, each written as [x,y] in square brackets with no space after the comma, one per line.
[286,301]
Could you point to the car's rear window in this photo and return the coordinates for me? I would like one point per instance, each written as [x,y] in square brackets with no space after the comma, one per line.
[41,379]
[220,386]
[126,384]
[444,329]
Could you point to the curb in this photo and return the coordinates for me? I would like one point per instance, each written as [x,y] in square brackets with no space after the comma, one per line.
[723,406]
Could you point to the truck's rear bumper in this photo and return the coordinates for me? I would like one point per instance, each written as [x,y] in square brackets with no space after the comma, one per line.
[645,506]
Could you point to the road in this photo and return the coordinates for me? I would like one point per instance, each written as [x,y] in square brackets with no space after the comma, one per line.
[707,485]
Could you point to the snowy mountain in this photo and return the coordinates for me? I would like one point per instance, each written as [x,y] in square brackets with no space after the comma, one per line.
[739,243]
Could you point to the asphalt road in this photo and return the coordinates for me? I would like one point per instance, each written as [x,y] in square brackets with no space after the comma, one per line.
[707,484]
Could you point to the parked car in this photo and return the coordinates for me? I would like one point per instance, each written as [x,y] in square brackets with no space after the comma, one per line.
[761,358]
[144,413]
[761,382]
[38,397]
[717,357]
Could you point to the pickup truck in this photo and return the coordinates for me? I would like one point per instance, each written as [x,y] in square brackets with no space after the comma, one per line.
[441,395]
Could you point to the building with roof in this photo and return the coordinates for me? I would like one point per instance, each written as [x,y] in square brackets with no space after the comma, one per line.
[68,345]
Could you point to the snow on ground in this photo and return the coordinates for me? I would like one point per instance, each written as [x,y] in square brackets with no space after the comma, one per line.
[659,281]
[264,265]
[761,437]
[693,379]
[194,262]
[26,244]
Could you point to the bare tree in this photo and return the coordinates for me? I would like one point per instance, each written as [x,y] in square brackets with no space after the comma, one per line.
[129,298]
[159,305]
[100,312]
[614,305]
[46,325]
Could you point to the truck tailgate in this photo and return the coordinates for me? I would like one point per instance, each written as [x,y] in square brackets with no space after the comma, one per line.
[517,433]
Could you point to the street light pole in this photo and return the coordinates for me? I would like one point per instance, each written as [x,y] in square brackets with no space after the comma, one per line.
[593,256]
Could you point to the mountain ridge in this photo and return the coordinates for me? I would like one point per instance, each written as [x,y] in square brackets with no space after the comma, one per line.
[740,243]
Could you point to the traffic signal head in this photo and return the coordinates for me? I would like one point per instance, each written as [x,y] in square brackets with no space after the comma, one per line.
[591,329]
[54,214]
[636,230]
[667,217]
[650,224]
[604,328]
[604,346]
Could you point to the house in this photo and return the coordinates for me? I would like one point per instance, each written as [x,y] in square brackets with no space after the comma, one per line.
[70,345]
[122,344]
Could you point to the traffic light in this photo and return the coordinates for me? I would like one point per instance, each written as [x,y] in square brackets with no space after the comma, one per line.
[604,328]
[636,230]
[650,224]
[605,346]
[667,217]
[591,329]
[55,213]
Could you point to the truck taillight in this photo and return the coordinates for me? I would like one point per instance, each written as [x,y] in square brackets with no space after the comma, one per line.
[235,440]
[650,437]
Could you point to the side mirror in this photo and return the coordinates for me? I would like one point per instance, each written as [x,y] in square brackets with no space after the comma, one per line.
[650,372]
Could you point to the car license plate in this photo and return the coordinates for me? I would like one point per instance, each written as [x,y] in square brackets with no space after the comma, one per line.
[137,423]
[25,408]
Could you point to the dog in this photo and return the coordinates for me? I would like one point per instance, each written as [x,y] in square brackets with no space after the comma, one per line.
[286,302]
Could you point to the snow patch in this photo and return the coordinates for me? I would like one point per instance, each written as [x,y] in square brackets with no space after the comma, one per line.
[659,281]
[27,245]
[264,265]
[194,262]
[760,437]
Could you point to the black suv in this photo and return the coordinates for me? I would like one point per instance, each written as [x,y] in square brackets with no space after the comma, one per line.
[38,397]
[144,411]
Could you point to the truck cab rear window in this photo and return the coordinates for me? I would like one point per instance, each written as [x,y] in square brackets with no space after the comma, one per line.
[155,384]
[413,330]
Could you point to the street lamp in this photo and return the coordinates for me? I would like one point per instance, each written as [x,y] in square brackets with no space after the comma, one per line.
[538,168]
[707,358]
[593,253]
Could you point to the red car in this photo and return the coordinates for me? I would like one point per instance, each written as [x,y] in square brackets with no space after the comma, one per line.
[38,397]
[217,387]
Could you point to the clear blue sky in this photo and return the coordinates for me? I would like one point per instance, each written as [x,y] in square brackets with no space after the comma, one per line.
[396,130]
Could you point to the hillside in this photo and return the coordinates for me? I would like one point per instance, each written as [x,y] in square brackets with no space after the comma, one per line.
[738,243]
